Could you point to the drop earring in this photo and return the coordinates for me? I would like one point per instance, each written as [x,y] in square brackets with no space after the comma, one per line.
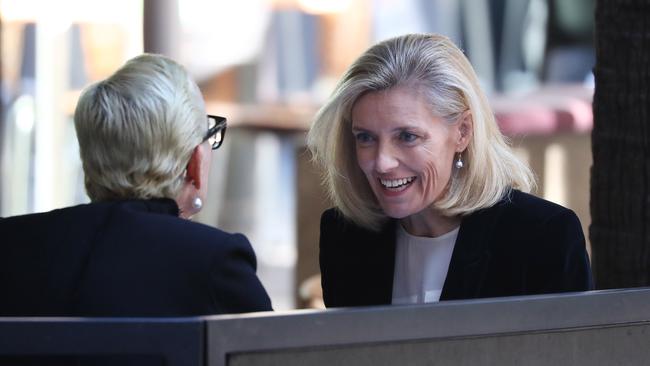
[459,162]
[197,203]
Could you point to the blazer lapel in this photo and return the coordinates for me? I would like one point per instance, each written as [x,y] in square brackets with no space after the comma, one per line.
[470,258]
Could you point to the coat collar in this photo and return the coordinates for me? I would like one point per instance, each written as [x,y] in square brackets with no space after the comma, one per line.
[165,206]
[469,259]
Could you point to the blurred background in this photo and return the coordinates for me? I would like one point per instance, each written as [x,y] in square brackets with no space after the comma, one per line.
[268,65]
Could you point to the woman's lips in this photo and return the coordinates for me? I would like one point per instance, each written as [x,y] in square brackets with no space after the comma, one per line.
[395,187]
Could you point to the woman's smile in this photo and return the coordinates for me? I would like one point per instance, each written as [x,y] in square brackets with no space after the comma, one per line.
[395,187]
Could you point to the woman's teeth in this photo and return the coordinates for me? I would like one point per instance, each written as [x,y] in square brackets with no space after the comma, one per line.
[396,183]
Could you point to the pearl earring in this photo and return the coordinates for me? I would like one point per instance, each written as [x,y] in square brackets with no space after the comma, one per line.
[197,203]
[459,162]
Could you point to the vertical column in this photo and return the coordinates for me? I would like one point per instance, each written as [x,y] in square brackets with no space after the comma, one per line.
[51,84]
[161,27]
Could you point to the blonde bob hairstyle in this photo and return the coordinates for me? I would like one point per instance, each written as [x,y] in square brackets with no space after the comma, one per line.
[434,66]
[138,128]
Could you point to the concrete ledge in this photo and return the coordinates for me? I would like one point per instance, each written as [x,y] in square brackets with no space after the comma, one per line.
[590,328]
[300,334]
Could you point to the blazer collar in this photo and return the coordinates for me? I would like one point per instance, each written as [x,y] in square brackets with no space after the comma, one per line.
[157,205]
[469,259]
[471,255]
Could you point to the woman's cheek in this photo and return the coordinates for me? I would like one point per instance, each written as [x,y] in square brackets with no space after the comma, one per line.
[429,175]
[361,159]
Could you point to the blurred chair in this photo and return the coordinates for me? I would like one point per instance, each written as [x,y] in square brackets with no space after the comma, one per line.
[311,293]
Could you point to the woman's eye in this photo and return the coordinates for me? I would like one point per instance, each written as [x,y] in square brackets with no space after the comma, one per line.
[407,136]
[363,137]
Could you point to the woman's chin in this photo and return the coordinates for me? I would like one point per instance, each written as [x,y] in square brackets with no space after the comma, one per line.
[397,213]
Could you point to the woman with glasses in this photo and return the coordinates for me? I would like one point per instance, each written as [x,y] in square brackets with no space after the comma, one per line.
[146,146]
[431,202]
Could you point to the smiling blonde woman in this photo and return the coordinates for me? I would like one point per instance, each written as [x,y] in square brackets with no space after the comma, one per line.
[430,201]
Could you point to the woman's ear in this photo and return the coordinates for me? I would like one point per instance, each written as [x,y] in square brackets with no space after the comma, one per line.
[195,168]
[465,131]
[192,184]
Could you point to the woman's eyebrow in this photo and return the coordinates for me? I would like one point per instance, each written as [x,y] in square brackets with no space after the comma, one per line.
[408,126]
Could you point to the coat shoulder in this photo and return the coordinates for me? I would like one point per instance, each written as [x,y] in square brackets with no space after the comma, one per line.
[334,224]
[333,216]
[524,207]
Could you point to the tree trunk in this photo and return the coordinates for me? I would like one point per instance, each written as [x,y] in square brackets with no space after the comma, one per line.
[620,175]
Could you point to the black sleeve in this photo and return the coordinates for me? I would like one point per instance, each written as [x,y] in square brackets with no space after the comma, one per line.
[566,265]
[236,287]
[327,257]
[344,278]
[356,263]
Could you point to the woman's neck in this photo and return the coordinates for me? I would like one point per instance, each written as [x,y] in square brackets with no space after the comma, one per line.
[429,223]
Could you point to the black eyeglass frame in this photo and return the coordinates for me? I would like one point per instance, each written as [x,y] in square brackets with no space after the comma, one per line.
[219,126]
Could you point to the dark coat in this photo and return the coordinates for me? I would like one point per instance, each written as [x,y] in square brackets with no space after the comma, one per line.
[128,258]
[522,245]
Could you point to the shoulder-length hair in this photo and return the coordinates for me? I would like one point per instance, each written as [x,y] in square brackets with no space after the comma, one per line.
[433,65]
[138,128]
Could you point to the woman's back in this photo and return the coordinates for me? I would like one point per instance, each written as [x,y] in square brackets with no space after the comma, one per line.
[124,258]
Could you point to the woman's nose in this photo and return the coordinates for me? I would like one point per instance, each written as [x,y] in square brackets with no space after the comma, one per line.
[386,160]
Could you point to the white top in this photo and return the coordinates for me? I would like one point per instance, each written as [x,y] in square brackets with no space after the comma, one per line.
[421,265]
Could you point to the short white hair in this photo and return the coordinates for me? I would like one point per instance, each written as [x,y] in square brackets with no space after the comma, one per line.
[137,130]
[434,66]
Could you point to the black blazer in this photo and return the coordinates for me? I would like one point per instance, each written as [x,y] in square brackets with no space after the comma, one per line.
[129,258]
[522,245]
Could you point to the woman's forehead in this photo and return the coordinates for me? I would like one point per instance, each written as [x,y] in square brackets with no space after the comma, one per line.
[401,105]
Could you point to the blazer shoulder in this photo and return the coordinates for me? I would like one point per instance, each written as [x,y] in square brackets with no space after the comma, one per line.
[332,227]
[198,234]
[333,217]
[333,221]
[525,207]
[226,262]
[73,222]
[132,221]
